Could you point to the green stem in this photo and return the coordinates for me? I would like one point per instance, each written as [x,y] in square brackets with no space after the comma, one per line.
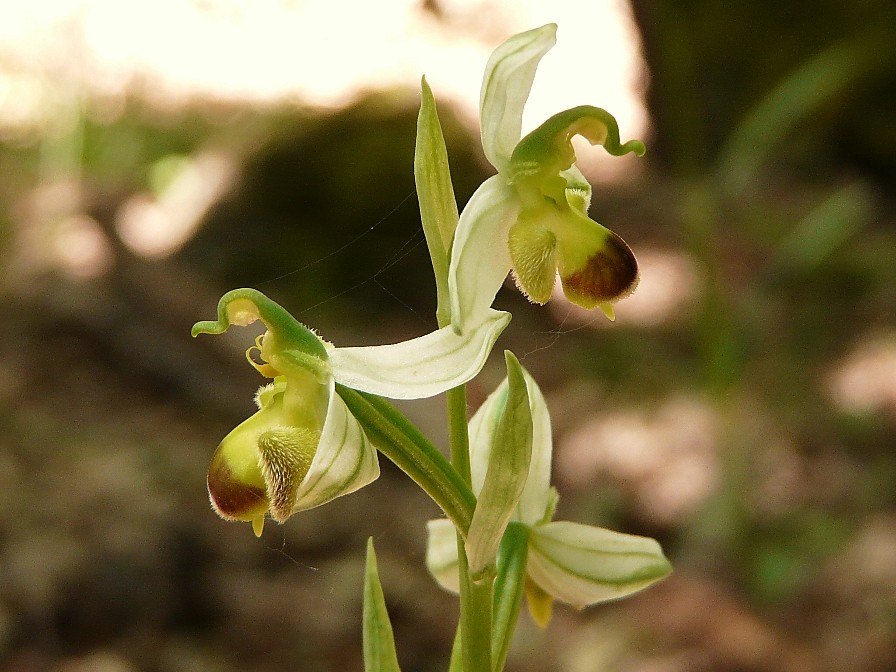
[475,599]
[509,588]
[457,432]
[475,616]
[405,445]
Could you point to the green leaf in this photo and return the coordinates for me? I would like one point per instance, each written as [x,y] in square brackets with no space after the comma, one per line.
[397,438]
[508,79]
[379,643]
[456,664]
[536,498]
[435,193]
[508,469]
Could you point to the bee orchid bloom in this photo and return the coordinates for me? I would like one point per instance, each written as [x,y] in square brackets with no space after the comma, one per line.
[532,217]
[303,447]
[574,563]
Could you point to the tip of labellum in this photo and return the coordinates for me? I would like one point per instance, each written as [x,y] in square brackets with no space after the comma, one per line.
[232,498]
[610,274]
[258,525]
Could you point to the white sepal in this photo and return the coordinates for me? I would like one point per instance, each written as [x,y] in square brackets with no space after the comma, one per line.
[480,257]
[505,88]
[441,553]
[422,367]
[582,565]
[344,462]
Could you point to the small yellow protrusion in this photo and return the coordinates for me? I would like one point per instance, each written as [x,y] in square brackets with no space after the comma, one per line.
[608,310]
[540,603]
[258,525]
[262,367]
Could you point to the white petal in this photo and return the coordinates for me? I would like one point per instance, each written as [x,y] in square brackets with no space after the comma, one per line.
[481,429]
[441,553]
[344,462]
[582,565]
[505,88]
[536,494]
[421,367]
[480,257]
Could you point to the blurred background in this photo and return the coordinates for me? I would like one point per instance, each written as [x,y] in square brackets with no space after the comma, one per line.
[742,409]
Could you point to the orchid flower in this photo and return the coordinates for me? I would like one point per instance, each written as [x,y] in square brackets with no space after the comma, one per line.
[303,447]
[532,217]
[571,562]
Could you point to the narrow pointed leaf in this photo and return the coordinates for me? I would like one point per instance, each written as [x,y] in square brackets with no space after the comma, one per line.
[422,367]
[582,565]
[405,445]
[456,664]
[508,79]
[435,193]
[536,495]
[508,469]
[379,642]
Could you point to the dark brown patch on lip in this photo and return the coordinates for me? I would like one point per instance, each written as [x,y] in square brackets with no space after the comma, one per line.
[231,498]
[611,274]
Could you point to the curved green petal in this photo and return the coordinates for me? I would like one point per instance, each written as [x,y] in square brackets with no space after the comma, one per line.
[539,158]
[480,258]
[242,307]
[441,553]
[505,88]
[582,565]
[421,367]
[344,462]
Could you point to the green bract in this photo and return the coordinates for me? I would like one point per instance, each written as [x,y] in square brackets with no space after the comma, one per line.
[303,447]
[574,563]
[505,473]
[532,217]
